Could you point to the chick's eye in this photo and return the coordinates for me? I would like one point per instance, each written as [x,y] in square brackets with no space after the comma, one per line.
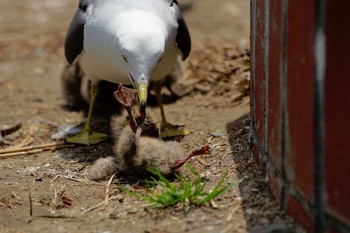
[125,58]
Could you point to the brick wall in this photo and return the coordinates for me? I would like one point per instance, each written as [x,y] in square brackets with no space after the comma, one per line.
[300,107]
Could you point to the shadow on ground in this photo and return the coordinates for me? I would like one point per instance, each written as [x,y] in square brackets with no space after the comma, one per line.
[260,210]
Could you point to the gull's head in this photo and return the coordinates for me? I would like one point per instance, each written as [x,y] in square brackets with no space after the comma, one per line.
[142,46]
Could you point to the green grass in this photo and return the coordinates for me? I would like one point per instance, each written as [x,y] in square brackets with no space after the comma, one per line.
[188,191]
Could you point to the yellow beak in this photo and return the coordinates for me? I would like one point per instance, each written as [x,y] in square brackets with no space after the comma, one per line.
[142,91]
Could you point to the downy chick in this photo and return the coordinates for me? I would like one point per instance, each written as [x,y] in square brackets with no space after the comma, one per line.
[138,146]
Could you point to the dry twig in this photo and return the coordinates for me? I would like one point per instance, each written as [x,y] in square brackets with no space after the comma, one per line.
[107,190]
[202,161]
[99,205]
[30,202]
[29,150]
[30,198]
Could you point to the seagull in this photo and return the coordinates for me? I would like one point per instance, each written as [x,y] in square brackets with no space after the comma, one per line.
[129,42]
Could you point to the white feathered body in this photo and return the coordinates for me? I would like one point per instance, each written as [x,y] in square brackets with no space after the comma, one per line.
[139,28]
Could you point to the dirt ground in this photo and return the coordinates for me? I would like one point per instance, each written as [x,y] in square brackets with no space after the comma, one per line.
[216,111]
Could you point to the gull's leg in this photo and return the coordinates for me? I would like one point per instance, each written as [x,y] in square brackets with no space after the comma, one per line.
[87,136]
[166,129]
[157,89]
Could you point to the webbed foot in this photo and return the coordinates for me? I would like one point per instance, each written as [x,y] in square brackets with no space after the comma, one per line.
[88,138]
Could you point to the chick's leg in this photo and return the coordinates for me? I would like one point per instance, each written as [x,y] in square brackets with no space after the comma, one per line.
[87,136]
[179,162]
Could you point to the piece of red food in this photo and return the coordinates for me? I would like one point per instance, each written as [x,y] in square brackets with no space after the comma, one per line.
[127,97]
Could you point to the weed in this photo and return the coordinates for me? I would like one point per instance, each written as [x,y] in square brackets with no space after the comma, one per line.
[188,191]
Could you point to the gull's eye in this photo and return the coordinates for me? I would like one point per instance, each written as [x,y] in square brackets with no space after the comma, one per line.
[160,58]
[125,58]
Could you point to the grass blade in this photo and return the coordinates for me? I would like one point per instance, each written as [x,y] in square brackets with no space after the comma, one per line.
[216,192]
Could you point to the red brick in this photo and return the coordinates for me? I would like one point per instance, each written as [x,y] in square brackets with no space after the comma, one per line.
[332,231]
[300,100]
[337,111]
[258,157]
[299,213]
[274,85]
[259,71]
[275,183]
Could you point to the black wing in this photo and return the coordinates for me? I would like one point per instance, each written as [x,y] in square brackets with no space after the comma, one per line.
[74,42]
[183,39]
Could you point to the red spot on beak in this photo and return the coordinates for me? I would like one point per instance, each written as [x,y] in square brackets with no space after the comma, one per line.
[142,116]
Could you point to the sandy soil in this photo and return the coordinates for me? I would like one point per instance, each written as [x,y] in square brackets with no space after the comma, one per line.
[216,111]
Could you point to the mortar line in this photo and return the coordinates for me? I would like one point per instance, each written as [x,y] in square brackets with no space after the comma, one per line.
[337,223]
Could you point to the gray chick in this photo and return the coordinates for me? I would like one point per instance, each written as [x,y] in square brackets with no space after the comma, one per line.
[138,146]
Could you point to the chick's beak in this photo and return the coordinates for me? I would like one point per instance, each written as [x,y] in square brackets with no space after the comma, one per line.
[142,91]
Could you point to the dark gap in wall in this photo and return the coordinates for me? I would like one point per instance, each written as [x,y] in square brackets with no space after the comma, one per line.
[266,73]
[319,121]
[284,102]
[253,60]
